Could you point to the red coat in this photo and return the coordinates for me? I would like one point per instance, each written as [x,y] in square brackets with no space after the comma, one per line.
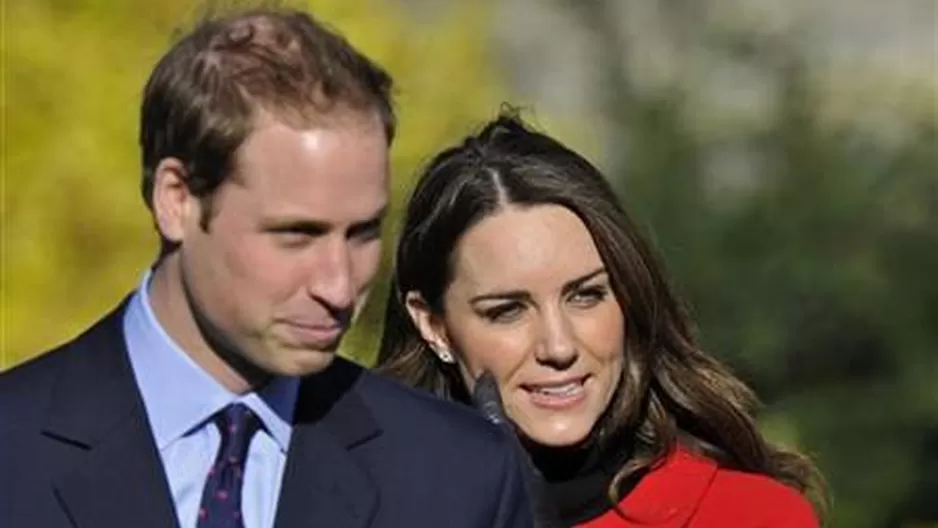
[689,491]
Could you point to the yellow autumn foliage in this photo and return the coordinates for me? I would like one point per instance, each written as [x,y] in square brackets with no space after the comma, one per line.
[76,236]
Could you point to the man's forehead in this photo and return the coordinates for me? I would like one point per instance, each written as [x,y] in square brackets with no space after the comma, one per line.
[336,156]
[337,116]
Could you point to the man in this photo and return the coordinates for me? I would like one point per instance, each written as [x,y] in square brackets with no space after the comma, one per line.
[212,395]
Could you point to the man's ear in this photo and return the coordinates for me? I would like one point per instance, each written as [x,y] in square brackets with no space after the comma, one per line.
[174,207]
[430,326]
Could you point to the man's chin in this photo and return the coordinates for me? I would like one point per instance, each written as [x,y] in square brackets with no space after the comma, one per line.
[308,362]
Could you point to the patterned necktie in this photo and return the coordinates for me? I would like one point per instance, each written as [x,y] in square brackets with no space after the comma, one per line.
[221,498]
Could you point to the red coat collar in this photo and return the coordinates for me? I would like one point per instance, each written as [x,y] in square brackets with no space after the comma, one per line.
[668,496]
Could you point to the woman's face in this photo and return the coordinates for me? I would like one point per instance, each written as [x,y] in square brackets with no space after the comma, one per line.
[531,302]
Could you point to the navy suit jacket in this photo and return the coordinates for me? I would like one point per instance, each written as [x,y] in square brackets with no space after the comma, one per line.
[76,450]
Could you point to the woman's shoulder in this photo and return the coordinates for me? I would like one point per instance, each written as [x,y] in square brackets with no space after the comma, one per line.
[689,490]
[753,499]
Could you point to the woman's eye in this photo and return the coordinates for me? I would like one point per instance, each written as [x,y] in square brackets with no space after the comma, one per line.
[591,296]
[503,313]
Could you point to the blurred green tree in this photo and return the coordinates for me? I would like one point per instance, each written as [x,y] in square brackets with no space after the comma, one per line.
[815,282]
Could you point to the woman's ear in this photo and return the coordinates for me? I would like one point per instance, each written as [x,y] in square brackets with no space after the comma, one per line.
[430,326]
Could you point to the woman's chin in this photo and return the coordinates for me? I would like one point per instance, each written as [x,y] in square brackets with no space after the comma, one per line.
[556,436]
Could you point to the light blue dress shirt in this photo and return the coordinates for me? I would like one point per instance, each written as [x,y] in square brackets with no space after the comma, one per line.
[180,399]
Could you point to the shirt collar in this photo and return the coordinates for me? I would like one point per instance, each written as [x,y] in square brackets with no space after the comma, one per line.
[179,396]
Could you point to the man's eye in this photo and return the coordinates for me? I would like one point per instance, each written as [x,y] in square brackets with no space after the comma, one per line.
[367,233]
[292,239]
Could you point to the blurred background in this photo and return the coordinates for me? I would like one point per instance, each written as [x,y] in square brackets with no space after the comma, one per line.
[782,156]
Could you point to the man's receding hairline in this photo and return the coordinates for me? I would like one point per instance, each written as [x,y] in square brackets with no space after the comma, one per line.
[339,115]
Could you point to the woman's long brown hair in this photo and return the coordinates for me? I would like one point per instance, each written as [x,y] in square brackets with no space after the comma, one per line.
[671,392]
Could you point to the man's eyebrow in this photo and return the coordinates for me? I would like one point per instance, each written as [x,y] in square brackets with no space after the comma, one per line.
[376,218]
[312,226]
[369,226]
[304,225]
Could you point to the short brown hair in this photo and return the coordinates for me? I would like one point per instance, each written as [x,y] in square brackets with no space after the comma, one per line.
[201,99]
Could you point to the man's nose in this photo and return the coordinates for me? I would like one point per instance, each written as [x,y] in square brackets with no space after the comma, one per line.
[330,275]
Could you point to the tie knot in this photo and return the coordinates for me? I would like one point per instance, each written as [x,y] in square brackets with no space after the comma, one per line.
[237,425]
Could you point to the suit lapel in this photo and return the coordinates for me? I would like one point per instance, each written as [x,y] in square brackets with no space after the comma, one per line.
[324,484]
[115,478]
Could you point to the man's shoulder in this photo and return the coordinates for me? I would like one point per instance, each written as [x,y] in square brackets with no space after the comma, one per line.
[28,387]
[399,407]
[35,373]
[423,442]
[30,383]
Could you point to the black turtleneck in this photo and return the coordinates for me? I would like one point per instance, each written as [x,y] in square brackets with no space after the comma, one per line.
[578,478]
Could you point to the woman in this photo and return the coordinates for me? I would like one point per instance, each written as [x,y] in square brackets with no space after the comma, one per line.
[517,259]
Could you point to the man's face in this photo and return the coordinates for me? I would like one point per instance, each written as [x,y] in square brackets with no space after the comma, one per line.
[293,242]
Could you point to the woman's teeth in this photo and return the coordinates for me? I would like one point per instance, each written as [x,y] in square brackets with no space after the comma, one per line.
[567,389]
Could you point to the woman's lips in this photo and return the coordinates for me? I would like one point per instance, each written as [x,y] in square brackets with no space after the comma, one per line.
[557,394]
